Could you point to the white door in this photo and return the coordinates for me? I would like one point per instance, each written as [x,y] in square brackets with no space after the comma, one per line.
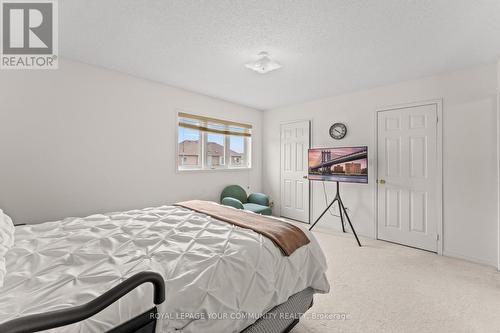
[294,182]
[407,176]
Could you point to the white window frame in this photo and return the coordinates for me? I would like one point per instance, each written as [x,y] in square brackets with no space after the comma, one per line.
[203,153]
[200,154]
[247,153]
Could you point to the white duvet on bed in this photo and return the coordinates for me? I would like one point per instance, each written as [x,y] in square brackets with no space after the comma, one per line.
[6,241]
[211,269]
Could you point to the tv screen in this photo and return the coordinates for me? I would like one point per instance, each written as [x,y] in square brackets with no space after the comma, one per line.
[346,164]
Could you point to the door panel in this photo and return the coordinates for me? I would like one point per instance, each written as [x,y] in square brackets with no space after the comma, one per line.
[407,174]
[294,187]
[418,211]
[393,208]
[418,157]
[393,156]
[287,194]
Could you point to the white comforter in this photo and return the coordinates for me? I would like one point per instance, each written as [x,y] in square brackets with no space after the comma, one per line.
[211,269]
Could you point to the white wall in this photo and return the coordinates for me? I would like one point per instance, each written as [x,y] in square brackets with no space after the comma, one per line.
[469,154]
[498,156]
[81,140]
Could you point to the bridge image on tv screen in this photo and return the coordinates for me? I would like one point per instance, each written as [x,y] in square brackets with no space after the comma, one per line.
[347,164]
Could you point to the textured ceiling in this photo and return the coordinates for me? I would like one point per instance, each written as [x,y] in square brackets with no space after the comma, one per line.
[327,47]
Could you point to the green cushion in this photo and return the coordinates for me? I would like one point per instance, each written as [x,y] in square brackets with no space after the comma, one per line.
[228,201]
[259,209]
[259,199]
[234,191]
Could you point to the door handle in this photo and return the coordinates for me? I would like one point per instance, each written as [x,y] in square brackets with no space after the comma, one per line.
[381,181]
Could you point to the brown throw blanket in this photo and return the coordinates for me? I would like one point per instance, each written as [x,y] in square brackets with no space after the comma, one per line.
[285,235]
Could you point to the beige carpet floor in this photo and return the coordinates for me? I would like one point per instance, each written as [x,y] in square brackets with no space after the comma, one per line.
[383,287]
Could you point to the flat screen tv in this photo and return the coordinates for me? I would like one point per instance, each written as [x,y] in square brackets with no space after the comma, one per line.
[343,164]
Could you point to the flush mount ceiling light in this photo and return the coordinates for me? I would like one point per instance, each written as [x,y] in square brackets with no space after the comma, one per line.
[264,64]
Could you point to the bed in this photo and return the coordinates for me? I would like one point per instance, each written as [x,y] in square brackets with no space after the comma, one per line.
[217,277]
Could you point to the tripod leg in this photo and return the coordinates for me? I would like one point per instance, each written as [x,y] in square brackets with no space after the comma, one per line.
[349,220]
[341,216]
[327,208]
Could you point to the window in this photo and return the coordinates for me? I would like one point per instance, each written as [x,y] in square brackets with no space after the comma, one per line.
[209,143]
[189,149]
[237,151]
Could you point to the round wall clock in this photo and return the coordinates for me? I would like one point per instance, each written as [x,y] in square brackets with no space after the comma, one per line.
[338,131]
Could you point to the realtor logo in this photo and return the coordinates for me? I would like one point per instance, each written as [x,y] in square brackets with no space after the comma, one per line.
[29,34]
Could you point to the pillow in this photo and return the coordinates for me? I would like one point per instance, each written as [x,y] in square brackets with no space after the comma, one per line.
[6,241]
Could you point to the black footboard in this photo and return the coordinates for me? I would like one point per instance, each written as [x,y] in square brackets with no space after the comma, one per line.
[53,319]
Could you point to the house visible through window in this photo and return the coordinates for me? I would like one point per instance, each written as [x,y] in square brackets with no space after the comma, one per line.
[209,143]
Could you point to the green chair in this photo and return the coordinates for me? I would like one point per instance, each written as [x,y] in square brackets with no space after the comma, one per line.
[235,196]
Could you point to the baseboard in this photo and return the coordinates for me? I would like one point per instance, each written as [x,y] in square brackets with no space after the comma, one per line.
[487,262]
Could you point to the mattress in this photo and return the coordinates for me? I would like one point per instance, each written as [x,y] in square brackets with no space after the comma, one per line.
[219,277]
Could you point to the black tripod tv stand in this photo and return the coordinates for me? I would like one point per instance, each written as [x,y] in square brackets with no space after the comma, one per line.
[342,211]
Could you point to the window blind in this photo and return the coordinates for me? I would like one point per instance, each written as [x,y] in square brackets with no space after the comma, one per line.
[213,125]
